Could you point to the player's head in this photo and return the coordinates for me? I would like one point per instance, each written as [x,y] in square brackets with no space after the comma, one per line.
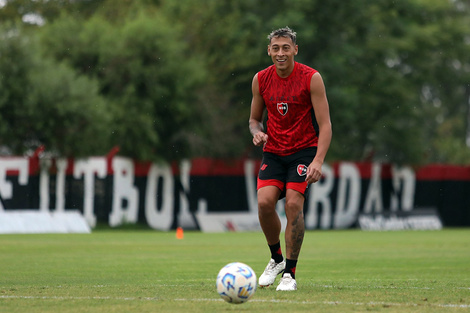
[282,50]
[285,32]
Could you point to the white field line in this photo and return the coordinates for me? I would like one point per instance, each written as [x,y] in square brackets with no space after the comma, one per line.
[335,303]
[381,287]
[369,287]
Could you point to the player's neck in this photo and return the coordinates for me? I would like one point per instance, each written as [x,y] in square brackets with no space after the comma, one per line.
[284,72]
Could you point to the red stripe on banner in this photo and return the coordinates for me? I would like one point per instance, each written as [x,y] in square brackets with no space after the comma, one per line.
[141,169]
[12,173]
[365,169]
[70,166]
[217,167]
[236,167]
[443,172]
[204,167]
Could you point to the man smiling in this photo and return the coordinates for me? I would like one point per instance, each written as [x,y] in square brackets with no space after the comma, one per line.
[297,138]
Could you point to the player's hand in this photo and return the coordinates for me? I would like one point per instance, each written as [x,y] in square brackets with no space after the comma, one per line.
[314,172]
[260,138]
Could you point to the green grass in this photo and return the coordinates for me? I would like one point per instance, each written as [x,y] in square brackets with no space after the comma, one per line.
[148,271]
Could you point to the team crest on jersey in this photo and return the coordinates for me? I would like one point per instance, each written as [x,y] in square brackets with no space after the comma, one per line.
[282,108]
[301,170]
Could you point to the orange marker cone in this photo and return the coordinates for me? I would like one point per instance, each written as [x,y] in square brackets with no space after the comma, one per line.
[179,233]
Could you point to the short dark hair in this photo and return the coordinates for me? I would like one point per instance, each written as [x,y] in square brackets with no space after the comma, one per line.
[283,32]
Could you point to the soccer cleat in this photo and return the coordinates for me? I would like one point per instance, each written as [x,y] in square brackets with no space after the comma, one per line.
[270,272]
[287,283]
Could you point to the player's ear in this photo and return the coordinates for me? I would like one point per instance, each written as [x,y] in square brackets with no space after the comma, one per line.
[268,51]
[296,49]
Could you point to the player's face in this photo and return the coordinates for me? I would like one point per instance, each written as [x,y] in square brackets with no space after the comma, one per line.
[282,51]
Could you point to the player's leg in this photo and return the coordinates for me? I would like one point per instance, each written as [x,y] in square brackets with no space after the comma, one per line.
[295,227]
[296,189]
[268,217]
[270,187]
[271,226]
[294,236]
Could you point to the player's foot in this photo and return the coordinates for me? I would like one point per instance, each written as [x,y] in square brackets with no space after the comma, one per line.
[287,283]
[270,272]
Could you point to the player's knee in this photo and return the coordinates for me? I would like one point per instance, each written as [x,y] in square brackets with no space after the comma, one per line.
[294,208]
[294,203]
[266,205]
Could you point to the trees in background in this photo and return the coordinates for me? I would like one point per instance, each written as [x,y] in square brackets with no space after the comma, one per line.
[45,102]
[399,72]
[145,72]
[171,79]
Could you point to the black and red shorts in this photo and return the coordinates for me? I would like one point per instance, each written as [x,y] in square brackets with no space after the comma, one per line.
[286,172]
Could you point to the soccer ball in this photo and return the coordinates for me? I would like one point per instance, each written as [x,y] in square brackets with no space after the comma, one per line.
[236,283]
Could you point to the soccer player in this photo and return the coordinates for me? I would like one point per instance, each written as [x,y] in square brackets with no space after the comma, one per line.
[297,137]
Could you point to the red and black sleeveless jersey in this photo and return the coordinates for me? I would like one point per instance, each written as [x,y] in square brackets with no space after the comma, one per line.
[291,124]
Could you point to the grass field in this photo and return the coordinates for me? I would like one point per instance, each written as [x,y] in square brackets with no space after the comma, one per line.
[148,271]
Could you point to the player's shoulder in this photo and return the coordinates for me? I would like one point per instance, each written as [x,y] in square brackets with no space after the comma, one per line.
[264,74]
[268,69]
[305,69]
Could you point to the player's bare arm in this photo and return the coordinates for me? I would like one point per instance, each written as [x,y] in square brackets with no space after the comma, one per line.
[256,115]
[322,114]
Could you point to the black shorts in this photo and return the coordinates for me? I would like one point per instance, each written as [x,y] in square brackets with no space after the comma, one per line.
[286,172]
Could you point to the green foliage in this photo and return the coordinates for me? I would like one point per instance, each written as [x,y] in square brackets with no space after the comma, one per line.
[224,34]
[15,62]
[46,103]
[176,75]
[143,70]
[376,59]
[14,10]
[70,116]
